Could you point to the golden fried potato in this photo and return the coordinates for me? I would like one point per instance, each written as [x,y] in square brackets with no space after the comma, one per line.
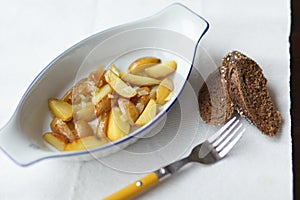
[163,91]
[101,93]
[128,110]
[59,126]
[84,143]
[148,114]
[119,85]
[161,70]
[142,98]
[61,109]
[103,106]
[97,77]
[117,126]
[57,140]
[138,66]
[138,80]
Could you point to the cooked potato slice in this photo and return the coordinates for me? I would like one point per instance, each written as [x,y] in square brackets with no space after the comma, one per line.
[59,126]
[142,98]
[148,114]
[119,85]
[101,131]
[120,120]
[153,93]
[85,143]
[84,112]
[117,127]
[114,69]
[139,65]
[61,109]
[101,93]
[57,140]
[128,110]
[103,106]
[163,91]
[162,70]
[83,129]
[138,80]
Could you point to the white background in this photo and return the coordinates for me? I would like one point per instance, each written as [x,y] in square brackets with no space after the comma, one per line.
[33,33]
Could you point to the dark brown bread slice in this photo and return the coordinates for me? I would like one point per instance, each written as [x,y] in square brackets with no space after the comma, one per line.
[214,102]
[248,91]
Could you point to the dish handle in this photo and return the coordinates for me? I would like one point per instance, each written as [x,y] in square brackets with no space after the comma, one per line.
[181,19]
[19,148]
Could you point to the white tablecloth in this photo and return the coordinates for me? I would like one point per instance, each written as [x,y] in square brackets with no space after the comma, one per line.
[33,33]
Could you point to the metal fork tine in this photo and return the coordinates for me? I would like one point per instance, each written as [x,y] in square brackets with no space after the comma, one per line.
[224,135]
[229,135]
[218,134]
[229,146]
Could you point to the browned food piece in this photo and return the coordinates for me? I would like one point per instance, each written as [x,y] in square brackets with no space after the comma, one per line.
[214,102]
[103,106]
[97,77]
[249,93]
[142,98]
[68,96]
[139,65]
[82,91]
[119,86]
[59,126]
[128,109]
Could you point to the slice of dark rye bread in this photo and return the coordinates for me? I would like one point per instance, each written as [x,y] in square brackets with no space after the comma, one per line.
[214,101]
[246,87]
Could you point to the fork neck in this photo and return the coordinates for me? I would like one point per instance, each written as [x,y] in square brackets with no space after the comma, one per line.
[171,168]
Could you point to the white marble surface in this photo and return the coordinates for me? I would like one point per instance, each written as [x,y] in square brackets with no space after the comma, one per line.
[33,33]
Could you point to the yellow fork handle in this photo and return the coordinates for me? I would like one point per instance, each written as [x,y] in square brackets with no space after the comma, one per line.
[134,188]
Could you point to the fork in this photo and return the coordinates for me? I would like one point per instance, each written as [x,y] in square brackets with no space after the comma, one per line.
[210,151]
